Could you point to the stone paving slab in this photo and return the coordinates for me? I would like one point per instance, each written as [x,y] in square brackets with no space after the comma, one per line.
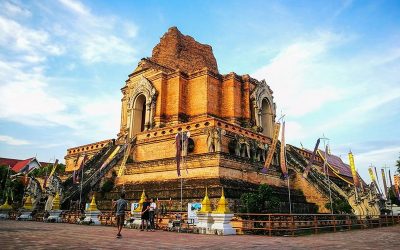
[39,235]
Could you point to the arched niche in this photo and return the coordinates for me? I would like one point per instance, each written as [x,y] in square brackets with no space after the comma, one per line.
[141,107]
[139,114]
[267,117]
[263,107]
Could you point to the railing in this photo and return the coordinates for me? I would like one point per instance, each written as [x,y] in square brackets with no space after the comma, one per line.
[298,224]
[263,224]
[107,218]
[71,216]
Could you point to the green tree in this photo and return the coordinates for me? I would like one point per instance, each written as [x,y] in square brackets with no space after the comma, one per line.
[107,186]
[340,207]
[263,201]
[398,165]
[392,196]
[250,203]
[14,188]
[4,172]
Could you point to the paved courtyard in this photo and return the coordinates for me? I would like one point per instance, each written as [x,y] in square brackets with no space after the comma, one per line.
[38,235]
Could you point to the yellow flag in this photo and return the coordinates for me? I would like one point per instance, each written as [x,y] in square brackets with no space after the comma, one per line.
[371,174]
[54,168]
[283,157]
[353,170]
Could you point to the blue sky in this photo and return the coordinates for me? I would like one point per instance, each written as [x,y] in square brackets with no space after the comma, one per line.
[334,67]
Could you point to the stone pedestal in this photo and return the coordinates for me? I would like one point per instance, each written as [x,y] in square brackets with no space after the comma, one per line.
[92,217]
[222,224]
[54,216]
[205,223]
[137,220]
[25,215]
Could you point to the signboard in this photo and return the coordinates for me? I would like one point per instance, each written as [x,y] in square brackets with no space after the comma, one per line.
[193,209]
[134,205]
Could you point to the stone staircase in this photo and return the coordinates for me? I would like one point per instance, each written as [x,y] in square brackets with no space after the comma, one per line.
[94,170]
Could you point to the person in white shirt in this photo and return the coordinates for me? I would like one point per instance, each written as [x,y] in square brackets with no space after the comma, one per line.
[152,211]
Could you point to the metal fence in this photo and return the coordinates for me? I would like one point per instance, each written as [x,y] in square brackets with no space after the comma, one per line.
[299,224]
[262,224]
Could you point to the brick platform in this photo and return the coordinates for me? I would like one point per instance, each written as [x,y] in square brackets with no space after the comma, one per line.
[38,235]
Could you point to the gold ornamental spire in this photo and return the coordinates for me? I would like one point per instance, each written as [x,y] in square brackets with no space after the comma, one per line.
[222,207]
[28,203]
[205,204]
[93,206]
[56,202]
[142,199]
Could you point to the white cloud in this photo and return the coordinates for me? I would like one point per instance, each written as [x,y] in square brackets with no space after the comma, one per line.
[75,6]
[294,131]
[101,116]
[95,38]
[12,141]
[308,77]
[12,9]
[29,96]
[98,48]
[293,76]
[34,44]
[363,111]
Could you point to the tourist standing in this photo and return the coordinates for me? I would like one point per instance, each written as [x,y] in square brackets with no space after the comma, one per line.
[152,210]
[120,206]
[145,214]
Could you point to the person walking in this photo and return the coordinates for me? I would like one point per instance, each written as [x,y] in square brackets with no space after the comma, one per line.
[152,210]
[145,214]
[120,206]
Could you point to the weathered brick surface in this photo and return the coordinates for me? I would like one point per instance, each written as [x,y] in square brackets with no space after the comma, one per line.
[311,193]
[178,51]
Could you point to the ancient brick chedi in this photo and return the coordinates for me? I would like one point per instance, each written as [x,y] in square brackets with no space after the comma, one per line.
[178,51]
[229,118]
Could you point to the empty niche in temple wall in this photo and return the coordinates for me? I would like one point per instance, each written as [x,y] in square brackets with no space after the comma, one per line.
[263,107]
[141,107]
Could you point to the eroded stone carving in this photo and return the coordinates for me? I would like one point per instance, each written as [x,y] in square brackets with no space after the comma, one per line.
[214,138]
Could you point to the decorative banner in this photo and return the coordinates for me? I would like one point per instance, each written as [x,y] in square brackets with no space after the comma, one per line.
[51,173]
[283,153]
[311,162]
[353,170]
[271,150]
[80,164]
[396,185]
[373,179]
[391,184]
[384,183]
[185,148]
[110,157]
[371,174]
[377,180]
[178,144]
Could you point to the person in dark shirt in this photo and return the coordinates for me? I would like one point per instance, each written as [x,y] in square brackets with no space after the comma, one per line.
[145,214]
[120,206]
